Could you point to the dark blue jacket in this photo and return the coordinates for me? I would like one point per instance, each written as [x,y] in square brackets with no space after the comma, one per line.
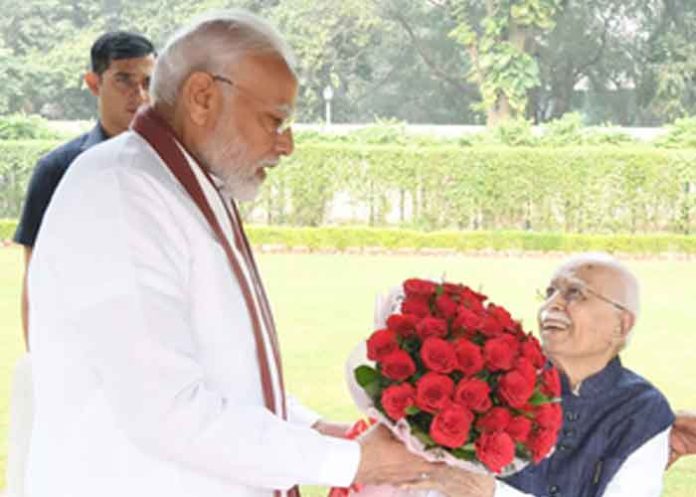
[44,181]
[615,413]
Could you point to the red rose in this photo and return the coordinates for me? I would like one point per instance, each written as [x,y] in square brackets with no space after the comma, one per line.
[549,416]
[515,389]
[551,383]
[404,325]
[473,394]
[446,306]
[540,442]
[496,419]
[502,316]
[433,392]
[397,398]
[398,365]
[495,450]
[524,366]
[416,306]
[471,299]
[431,327]
[469,357]
[438,355]
[467,320]
[519,428]
[419,288]
[381,344]
[451,426]
[500,353]
[490,326]
[518,332]
[452,288]
[531,349]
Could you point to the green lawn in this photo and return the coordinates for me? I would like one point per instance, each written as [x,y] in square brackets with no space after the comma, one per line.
[323,305]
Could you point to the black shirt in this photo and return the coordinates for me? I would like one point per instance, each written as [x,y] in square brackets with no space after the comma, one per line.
[44,181]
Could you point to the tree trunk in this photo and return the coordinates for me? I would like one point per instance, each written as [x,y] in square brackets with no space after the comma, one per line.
[499,112]
[501,109]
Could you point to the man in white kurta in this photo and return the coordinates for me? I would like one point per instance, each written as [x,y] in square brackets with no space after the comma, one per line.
[145,366]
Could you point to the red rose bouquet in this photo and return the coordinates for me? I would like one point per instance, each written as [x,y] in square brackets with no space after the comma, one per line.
[458,380]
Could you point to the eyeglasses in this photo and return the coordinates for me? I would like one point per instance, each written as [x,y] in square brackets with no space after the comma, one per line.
[578,292]
[273,123]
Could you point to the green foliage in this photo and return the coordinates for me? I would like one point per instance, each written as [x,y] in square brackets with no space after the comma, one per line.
[355,237]
[681,134]
[569,131]
[430,62]
[18,159]
[503,67]
[669,87]
[25,127]
[7,229]
[514,133]
[604,189]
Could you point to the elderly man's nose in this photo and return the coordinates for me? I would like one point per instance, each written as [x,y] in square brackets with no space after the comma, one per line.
[556,301]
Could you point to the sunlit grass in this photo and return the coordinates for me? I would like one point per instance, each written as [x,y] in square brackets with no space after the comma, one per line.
[323,305]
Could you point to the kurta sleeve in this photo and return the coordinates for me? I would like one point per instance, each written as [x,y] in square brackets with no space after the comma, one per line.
[641,473]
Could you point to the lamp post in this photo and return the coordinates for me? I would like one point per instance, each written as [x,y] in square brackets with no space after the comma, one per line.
[328,95]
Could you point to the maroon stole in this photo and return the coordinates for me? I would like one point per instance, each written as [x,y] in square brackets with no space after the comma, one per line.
[160,136]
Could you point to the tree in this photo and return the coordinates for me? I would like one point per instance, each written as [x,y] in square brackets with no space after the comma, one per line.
[669,84]
[498,38]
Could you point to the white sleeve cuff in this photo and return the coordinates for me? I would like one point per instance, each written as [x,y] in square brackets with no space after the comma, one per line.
[341,466]
[299,414]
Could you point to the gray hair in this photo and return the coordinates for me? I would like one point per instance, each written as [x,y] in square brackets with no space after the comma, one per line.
[212,43]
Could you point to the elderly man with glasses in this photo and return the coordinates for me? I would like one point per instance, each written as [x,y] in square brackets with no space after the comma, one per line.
[615,436]
[156,360]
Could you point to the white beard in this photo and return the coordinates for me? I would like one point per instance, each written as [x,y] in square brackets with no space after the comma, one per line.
[229,163]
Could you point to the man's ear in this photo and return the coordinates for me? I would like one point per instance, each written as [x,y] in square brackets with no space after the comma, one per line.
[201,98]
[93,82]
[627,321]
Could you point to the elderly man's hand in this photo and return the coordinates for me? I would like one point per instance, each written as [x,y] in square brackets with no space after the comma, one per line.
[683,437]
[385,461]
[457,483]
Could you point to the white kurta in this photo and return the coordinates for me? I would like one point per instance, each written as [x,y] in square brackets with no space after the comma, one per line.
[145,371]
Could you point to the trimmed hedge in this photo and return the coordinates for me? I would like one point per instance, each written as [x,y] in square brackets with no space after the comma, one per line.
[17,160]
[348,237]
[7,229]
[605,189]
[570,189]
[342,238]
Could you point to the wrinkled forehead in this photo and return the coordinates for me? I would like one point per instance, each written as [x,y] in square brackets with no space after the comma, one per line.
[603,278]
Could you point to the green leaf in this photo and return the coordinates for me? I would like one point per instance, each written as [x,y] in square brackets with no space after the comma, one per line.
[366,375]
[423,437]
[465,453]
[539,398]
[412,410]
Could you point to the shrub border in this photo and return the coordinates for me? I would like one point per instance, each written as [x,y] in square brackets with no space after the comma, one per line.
[357,238]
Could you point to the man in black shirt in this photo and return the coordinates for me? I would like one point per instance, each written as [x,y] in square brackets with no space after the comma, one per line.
[121,65]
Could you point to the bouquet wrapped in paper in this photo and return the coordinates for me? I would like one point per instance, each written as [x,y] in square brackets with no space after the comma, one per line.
[457,380]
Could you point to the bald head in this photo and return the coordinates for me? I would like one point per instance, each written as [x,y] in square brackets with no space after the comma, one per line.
[586,320]
[608,276]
